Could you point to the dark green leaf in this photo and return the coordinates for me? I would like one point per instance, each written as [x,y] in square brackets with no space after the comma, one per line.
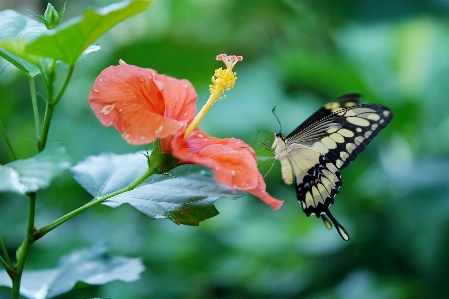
[27,175]
[186,196]
[69,40]
[91,266]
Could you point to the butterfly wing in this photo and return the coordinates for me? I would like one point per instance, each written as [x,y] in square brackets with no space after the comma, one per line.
[329,141]
[331,107]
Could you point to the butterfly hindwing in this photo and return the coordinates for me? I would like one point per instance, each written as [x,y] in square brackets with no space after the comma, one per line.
[325,143]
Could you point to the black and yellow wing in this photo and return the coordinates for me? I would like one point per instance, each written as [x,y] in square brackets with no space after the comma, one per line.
[327,142]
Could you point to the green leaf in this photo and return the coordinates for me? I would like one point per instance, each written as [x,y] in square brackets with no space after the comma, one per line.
[186,196]
[69,40]
[91,266]
[28,175]
[16,31]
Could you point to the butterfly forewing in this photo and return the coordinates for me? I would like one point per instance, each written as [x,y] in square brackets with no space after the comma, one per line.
[331,107]
[325,143]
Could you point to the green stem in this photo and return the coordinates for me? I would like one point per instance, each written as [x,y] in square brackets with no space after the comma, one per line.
[64,86]
[35,109]
[8,144]
[4,264]
[5,252]
[42,140]
[45,229]
[51,103]
[25,248]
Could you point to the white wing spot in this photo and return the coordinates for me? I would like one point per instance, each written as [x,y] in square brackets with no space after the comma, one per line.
[374,117]
[346,132]
[344,155]
[337,137]
[329,142]
[339,163]
[358,121]
[350,147]
[358,140]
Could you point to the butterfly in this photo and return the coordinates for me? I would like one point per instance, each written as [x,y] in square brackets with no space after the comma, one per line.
[326,142]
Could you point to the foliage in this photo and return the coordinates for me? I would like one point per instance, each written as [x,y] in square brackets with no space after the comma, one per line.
[298,55]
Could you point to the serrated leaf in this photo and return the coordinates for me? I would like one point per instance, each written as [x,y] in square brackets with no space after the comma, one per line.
[29,175]
[91,266]
[186,196]
[69,40]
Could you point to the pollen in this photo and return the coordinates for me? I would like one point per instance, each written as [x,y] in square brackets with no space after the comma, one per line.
[222,80]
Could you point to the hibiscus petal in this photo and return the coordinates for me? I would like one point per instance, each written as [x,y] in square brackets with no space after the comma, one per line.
[261,193]
[180,97]
[141,104]
[232,161]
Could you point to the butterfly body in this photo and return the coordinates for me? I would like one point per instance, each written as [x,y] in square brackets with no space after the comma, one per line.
[312,155]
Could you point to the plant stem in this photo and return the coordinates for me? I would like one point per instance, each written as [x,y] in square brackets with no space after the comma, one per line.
[49,227]
[4,264]
[64,85]
[35,109]
[5,252]
[8,144]
[42,140]
[25,248]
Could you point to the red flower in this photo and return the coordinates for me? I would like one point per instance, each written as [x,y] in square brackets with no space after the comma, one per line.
[144,106]
[233,162]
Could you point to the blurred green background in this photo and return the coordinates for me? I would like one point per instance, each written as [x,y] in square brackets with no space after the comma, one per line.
[297,55]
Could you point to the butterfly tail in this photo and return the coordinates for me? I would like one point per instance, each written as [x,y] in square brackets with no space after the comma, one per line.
[326,221]
[340,229]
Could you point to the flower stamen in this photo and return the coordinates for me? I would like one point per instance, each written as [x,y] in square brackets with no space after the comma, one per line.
[223,79]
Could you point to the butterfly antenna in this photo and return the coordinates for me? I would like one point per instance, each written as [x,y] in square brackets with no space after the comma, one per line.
[277,118]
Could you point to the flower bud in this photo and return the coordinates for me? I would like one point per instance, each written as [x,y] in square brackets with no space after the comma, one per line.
[51,17]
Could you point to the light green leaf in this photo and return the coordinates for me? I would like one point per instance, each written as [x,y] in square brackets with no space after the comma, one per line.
[69,40]
[186,196]
[16,31]
[91,266]
[27,175]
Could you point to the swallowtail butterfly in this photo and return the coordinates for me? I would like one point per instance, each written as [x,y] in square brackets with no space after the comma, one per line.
[330,139]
